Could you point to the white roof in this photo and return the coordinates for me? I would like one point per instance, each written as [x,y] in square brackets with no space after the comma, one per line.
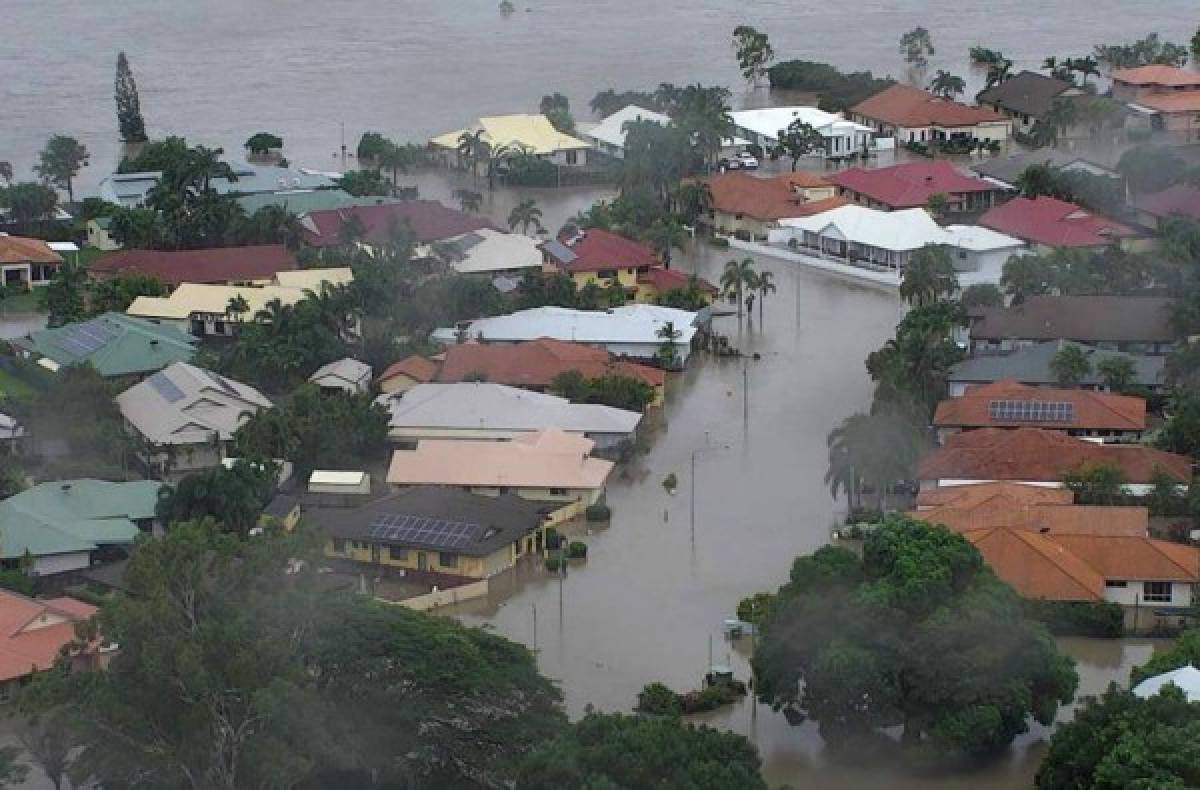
[10,428]
[184,404]
[768,121]
[908,229]
[63,246]
[349,370]
[612,129]
[332,477]
[486,250]
[629,324]
[1187,679]
[484,406]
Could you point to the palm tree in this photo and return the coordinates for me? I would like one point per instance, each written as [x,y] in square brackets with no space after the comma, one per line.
[736,276]
[998,73]
[472,148]
[396,158]
[1119,373]
[526,214]
[666,352]
[1088,67]
[871,451]
[692,201]
[1061,117]
[766,285]
[237,307]
[469,200]
[947,85]
[929,276]
[1023,276]
[664,235]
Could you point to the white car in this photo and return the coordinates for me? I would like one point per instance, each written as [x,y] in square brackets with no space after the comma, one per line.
[747,161]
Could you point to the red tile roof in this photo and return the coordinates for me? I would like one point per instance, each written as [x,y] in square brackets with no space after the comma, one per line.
[1179,200]
[665,280]
[1055,519]
[33,631]
[428,221]
[1037,567]
[1182,101]
[1053,222]
[596,250]
[1041,456]
[18,249]
[767,199]
[416,367]
[1134,557]
[534,364]
[1093,411]
[1003,494]
[209,266]
[904,105]
[1157,74]
[910,185]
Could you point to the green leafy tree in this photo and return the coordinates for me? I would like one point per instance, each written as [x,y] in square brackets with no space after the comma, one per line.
[1181,432]
[29,202]
[947,85]
[526,215]
[232,497]
[1120,741]
[620,751]
[6,172]
[64,298]
[916,46]
[557,109]
[365,183]
[764,284]
[798,141]
[753,52]
[1097,484]
[1196,45]
[910,370]
[263,143]
[1070,366]
[666,355]
[982,295]
[848,641]
[115,294]
[693,201]
[1118,373]
[60,161]
[1143,52]
[998,73]
[370,146]
[129,106]
[473,149]
[469,200]
[1023,276]
[938,204]
[929,276]
[1185,651]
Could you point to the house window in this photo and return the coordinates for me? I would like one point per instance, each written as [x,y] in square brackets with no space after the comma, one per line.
[447,559]
[1156,592]
[397,554]
[572,157]
[607,274]
[558,492]
[1115,583]
[339,546]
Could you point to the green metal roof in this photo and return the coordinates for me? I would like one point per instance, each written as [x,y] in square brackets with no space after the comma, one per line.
[74,515]
[301,202]
[114,343]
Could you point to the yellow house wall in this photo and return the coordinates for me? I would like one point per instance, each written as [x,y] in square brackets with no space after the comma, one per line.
[730,224]
[626,277]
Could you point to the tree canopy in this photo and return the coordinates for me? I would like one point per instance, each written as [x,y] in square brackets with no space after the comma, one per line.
[232,497]
[60,161]
[129,107]
[753,51]
[917,633]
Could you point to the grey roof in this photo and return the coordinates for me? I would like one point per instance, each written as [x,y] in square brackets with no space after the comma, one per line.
[1028,93]
[446,519]
[1084,319]
[1031,365]
[348,369]
[184,404]
[131,189]
[559,252]
[1007,169]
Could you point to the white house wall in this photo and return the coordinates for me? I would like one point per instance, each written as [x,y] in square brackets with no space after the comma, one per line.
[1133,594]
[50,564]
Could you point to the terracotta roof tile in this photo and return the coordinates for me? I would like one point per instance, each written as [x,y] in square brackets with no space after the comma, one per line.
[1008,493]
[19,249]
[1037,567]
[1099,411]
[668,279]
[216,266]
[33,631]
[767,199]
[904,105]
[596,250]
[416,367]
[1054,519]
[1134,558]
[909,185]
[1053,222]
[1157,74]
[535,364]
[428,221]
[1036,455]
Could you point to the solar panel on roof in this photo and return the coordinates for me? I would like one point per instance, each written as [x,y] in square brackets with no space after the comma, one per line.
[1031,411]
[165,387]
[85,339]
[423,531]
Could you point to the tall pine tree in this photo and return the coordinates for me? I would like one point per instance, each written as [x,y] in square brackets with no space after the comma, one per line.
[129,107]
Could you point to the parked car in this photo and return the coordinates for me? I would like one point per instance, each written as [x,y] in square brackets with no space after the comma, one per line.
[743,161]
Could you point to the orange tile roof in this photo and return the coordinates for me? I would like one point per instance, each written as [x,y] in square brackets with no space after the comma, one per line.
[1183,101]
[904,105]
[1157,74]
[1004,492]
[1093,411]
[535,363]
[1036,455]
[767,199]
[1049,519]
[416,367]
[1037,567]
[32,631]
[19,249]
[1134,558]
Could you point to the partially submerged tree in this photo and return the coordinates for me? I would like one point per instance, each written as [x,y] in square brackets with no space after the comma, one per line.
[947,85]
[263,143]
[129,106]
[753,51]
[916,46]
[798,141]
[60,161]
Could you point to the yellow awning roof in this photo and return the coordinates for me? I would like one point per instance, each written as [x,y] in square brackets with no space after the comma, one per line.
[534,132]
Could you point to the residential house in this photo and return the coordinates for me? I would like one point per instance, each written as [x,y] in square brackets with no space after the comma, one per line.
[114,344]
[425,221]
[1037,457]
[26,263]
[185,417]
[532,133]
[1154,210]
[205,310]
[912,184]
[600,257]
[256,264]
[535,365]
[1165,98]
[1133,84]
[1019,506]
[751,207]
[999,496]
[1047,223]
[433,534]
[489,252]
[99,234]
[1186,679]
[656,283]
[548,466]
[486,410]
[1030,365]
[636,331]
[1005,171]
[912,115]
[887,240]
[297,202]
[69,525]
[407,373]
[346,375]
[1134,324]
[608,136]
[1011,404]
[843,138]
[33,632]
[130,190]
[12,432]
[1027,97]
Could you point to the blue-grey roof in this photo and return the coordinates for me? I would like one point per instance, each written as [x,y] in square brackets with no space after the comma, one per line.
[560,252]
[130,189]
[1031,365]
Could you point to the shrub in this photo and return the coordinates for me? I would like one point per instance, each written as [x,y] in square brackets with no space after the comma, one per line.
[577,550]
[670,482]
[553,539]
[657,699]
[554,563]
[711,698]
[719,242]
[755,608]
[1078,618]
[598,512]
